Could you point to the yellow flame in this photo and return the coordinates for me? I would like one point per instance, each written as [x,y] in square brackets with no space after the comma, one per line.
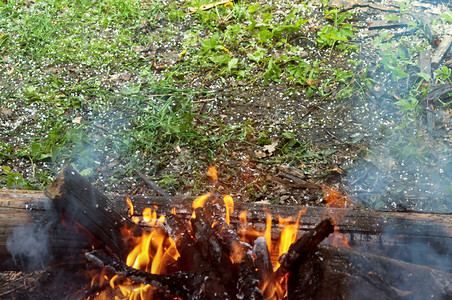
[129,203]
[149,215]
[201,200]
[229,203]
[268,231]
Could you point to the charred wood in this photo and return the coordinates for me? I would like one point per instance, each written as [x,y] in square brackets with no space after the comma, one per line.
[392,234]
[82,207]
[184,285]
[303,248]
[336,273]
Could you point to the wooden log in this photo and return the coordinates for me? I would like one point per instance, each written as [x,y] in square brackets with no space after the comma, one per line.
[305,245]
[82,206]
[334,273]
[441,51]
[424,237]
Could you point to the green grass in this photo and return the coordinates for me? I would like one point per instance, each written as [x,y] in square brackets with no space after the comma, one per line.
[60,56]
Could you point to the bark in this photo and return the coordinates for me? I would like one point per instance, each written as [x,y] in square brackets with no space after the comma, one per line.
[334,273]
[400,235]
[83,208]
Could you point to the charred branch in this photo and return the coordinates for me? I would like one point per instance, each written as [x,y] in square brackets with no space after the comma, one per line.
[332,272]
[183,285]
[302,248]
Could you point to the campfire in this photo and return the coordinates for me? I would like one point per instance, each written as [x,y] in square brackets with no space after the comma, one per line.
[204,256]
[211,247]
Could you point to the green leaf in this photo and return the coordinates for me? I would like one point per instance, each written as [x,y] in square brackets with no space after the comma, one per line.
[425,76]
[130,90]
[233,64]
[35,149]
[273,72]
[264,36]
[253,8]
[288,135]
[257,56]
[86,172]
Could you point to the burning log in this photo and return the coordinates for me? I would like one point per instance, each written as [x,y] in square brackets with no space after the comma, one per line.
[81,205]
[332,273]
[304,246]
[202,254]
[392,234]
[184,284]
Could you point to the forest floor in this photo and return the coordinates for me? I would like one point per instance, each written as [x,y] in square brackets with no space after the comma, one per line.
[287,99]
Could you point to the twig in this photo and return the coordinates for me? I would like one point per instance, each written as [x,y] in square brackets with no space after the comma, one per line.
[152,185]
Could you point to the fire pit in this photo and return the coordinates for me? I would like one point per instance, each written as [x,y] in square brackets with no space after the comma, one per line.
[210,247]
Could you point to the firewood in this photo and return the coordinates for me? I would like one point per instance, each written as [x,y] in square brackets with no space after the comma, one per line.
[81,205]
[264,264]
[209,246]
[240,252]
[384,233]
[184,284]
[337,273]
[190,258]
[303,247]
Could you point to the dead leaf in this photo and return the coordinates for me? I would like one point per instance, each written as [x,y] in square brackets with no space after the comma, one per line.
[272,147]
[208,6]
[261,154]
[312,82]
[77,120]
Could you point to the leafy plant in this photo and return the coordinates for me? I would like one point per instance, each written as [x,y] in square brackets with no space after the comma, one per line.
[12,179]
[444,74]
[332,35]
[447,16]
[273,71]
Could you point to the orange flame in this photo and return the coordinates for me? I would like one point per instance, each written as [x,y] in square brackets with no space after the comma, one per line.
[288,234]
[268,231]
[201,200]
[229,203]
[154,251]
[212,173]
[335,198]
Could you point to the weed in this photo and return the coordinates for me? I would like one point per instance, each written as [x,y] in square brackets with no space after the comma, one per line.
[444,74]
[12,179]
[333,35]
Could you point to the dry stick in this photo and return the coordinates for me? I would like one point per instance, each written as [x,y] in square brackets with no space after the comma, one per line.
[152,185]
[302,248]
[182,284]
